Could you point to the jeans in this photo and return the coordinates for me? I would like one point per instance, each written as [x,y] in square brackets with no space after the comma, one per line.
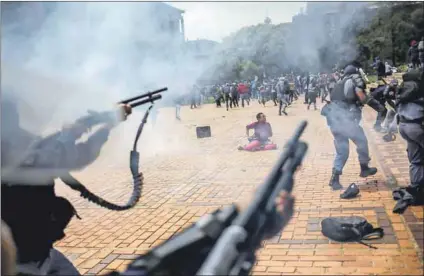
[389,122]
[380,118]
[282,103]
[245,97]
[414,136]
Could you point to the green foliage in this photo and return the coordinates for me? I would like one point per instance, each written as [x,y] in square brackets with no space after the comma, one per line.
[403,68]
[392,29]
[250,52]
[372,78]
[262,48]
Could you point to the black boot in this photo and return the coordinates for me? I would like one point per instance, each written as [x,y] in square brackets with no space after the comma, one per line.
[367,171]
[335,181]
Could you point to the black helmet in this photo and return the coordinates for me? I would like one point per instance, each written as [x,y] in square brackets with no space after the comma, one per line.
[350,69]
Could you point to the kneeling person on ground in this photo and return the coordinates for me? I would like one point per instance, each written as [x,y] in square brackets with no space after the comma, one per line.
[260,139]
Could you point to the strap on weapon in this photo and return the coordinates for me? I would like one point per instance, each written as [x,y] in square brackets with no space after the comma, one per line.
[76,185]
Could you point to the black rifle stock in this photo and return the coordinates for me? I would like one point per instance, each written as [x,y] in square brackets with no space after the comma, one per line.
[225,242]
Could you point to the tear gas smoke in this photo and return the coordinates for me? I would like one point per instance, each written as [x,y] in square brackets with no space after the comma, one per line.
[314,41]
[60,59]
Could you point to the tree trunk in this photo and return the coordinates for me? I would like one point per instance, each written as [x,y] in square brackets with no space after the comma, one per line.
[392,38]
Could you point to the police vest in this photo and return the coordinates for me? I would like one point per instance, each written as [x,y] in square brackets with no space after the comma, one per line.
[338,92]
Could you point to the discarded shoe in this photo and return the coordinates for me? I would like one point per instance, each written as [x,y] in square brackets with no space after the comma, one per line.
[389,137]
[351,192]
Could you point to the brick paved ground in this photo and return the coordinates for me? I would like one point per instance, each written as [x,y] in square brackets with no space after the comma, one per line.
[186,178]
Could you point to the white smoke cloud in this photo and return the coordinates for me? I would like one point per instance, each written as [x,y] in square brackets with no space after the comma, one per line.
[60,59]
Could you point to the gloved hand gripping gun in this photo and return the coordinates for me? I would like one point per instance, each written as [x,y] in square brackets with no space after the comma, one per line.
[93,119]
[225,242]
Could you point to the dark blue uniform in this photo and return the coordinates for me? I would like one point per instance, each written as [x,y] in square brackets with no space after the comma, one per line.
[411,127]
[343,115]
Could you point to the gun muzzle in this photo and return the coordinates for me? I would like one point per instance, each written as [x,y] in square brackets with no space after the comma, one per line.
[149,100]
[149,95]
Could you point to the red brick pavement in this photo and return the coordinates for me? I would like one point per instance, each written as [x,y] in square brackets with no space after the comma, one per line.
[186,178]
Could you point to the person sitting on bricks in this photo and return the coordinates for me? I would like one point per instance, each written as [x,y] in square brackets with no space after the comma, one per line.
[260,139]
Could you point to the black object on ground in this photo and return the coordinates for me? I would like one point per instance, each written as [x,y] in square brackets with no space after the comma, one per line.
[203,132]
[351,192]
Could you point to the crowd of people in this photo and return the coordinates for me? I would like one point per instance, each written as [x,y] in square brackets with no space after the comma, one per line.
[35,227]
[279,91]
[344,93]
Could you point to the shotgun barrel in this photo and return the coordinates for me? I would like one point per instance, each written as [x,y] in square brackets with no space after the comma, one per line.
[145,95]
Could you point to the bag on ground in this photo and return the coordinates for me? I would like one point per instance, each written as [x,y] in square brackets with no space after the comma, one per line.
[350,229]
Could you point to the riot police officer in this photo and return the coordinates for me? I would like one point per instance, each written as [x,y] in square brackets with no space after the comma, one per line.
[36,216]
[410,109]
[281,93]
[343,116]
[227,95]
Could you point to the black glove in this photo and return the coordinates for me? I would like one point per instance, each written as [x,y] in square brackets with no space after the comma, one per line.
[376,105]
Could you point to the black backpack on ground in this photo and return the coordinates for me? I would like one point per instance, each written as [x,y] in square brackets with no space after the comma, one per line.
[350,229]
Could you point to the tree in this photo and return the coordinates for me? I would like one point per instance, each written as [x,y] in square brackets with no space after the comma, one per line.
[359,34]
[392,29]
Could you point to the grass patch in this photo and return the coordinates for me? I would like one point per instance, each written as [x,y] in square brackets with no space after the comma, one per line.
[372,78]
[209,100]
[403,68]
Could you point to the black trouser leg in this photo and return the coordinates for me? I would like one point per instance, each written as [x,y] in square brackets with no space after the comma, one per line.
[280,107]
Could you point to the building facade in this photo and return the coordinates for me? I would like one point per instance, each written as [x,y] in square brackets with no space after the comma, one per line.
[149,24]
